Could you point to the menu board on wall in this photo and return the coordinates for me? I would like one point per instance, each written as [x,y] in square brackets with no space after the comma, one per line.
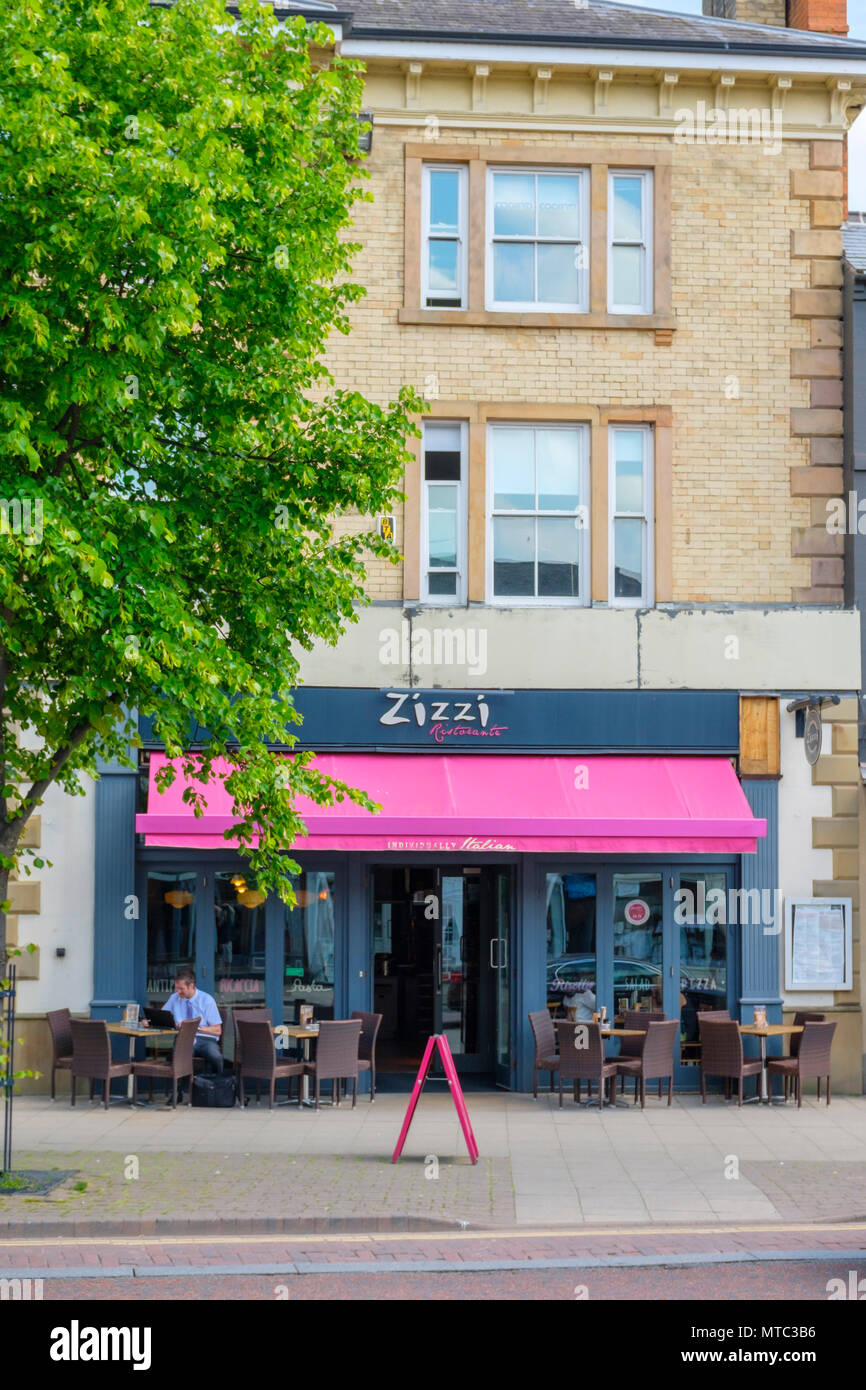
[818,952]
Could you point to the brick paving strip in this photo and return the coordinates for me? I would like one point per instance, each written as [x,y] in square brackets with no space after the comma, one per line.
[149,1257]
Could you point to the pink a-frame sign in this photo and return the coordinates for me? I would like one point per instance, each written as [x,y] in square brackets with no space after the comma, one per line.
[441,1043]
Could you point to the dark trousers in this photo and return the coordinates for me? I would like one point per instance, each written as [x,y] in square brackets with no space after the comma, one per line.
[208,1047]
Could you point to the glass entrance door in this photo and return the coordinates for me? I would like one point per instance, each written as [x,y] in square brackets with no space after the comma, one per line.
[499,956]
[441,953]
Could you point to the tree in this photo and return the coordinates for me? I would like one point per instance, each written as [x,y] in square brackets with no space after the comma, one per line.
[176,192]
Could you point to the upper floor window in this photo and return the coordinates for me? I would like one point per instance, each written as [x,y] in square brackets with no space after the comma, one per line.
[630,258]
[443,271]
[444,513]
[538,545]
[630,490]
[537,240]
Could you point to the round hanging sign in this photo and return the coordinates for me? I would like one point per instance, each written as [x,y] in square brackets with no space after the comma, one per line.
[637,912]
[812,735]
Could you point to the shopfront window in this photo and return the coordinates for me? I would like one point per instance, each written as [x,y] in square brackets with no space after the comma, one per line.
[239,919]
[702,917]
[638,981]
[170,931]
[571,942]
[310,936]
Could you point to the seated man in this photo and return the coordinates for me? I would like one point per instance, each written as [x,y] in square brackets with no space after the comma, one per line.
[189,1002]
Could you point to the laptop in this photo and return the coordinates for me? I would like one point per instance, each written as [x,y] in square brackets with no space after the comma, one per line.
[160,1018]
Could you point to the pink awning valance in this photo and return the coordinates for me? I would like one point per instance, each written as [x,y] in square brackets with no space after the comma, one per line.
[497,803]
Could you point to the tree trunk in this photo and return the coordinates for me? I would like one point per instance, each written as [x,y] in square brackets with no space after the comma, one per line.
[4,890]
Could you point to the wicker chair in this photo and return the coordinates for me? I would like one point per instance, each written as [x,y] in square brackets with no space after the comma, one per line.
[172,1069]
[714,1015]
[813,1059]
[546,1059]
[91,1057]
[336,1056]
[800,1020]
[247,1016]
[259,1059]
[370,1024]
[578,1064]
[656,1060]
[631,1048]
[61,1043]
[722,1055]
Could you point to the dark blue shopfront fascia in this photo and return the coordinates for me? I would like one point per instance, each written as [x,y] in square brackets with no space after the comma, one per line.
[439,721]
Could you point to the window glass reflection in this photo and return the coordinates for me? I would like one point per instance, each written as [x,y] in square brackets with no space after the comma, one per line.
[571,920]
[310,938]
[239,919]
[170,931]
[637,942]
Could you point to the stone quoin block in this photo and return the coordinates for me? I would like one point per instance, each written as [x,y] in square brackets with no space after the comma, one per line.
[826,154]
[816,362]
[826,452]
[817,540]
[826,570]
[816,243]
[816,482]
[826,274]
[826,212]
[826,333]
[816,183]
[806,421]
[821,598]
[825,394]
[816,304]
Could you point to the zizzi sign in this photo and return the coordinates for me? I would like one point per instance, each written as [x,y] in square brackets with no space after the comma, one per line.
[445,721]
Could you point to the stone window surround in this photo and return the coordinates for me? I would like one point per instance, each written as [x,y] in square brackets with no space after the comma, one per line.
[599,160]
[477,415]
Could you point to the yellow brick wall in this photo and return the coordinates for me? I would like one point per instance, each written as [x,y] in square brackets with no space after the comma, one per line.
[732,218]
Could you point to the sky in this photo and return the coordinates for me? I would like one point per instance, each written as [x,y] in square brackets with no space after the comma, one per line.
[857,134]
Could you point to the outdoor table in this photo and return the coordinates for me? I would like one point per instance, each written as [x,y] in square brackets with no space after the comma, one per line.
[294,1030]
[133,1031]
[765,1031]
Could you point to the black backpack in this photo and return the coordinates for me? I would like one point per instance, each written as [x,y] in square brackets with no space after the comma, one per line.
[220,1091]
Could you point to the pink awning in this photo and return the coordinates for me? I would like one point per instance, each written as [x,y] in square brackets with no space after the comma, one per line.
[496,803]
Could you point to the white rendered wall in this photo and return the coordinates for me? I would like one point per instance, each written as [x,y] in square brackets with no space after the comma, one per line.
[66,916]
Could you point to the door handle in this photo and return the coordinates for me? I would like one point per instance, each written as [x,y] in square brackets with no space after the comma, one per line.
[438,969]
[494,941]
[503,964]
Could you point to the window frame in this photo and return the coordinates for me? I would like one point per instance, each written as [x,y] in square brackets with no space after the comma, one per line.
[458,599]
[584,598]
[647,597]
[462,171]
[645,176]
[582,173]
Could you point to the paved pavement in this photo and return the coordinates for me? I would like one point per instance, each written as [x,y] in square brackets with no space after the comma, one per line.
[539,1166]
[793,1282]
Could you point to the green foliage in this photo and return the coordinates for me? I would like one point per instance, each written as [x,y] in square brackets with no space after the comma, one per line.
[176,197]
[10,1182]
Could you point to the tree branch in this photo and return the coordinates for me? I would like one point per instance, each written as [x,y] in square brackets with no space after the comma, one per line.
[39,788]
